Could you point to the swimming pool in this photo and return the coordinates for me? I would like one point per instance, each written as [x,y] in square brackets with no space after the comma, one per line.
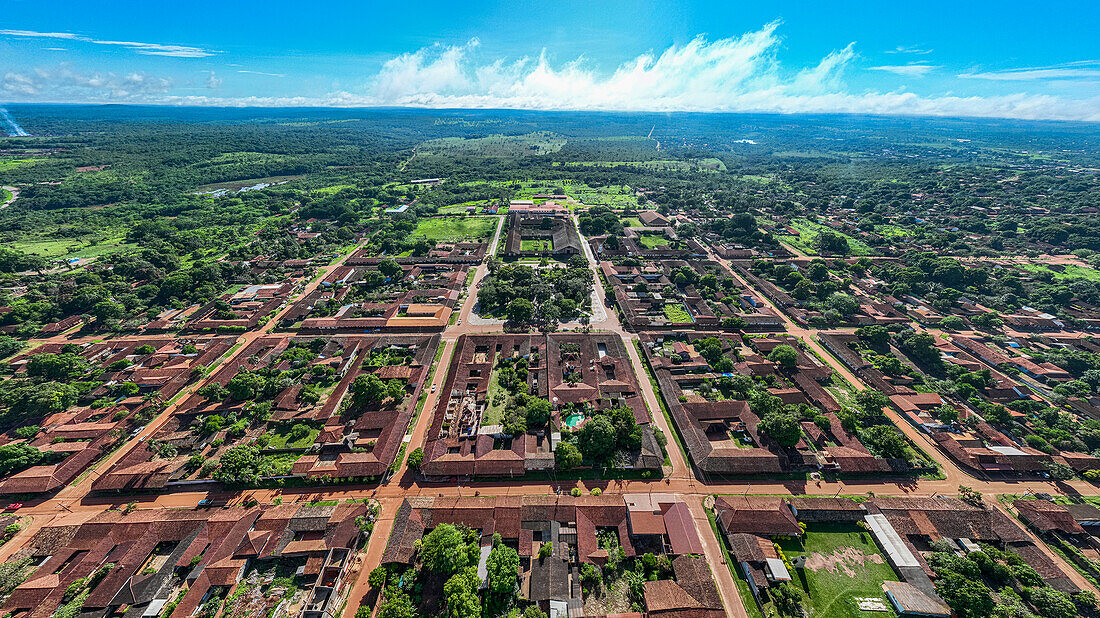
[574,420]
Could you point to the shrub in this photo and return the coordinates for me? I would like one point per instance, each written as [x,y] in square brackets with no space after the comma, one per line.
[377,578]
[416,458]
[27,432]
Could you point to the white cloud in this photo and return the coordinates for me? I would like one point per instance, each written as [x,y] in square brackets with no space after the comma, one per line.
[44,35]
[18,83]
[213,81]
[1081,69]
[160,49]
[66,84]
[908,70]
[149,49]
[902,49]
[826,75]
[257,72]
[697,75]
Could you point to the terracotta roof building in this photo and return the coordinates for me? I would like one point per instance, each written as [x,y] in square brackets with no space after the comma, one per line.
[460,443]
[147,547]
[573,526]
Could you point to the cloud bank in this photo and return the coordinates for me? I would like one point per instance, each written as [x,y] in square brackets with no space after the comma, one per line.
[736,74]
[68,84]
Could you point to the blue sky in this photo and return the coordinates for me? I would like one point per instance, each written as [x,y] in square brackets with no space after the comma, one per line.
[1007,59]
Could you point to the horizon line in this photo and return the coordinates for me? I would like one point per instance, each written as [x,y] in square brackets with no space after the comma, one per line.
[414,108]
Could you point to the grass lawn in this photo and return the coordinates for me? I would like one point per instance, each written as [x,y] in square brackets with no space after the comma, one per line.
[652,241]
[632,222]
[450,229]
[494,412]
[808,232]
[678,314]
[278,437]
[536,245]
[850,565]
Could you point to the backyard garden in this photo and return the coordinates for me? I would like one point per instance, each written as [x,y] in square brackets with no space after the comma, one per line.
[843,567]
[677,313]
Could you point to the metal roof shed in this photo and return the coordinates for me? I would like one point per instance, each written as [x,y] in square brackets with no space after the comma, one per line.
[891,541]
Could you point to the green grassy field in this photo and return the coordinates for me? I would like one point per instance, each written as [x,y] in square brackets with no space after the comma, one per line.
[652,241]
[460,209]
[1070,271]
[808,232]
[536,245]
[891,231]
[333,189]
[615,196]
[8,163]
[632,222]
[450,229]
[538,143]
[677,313]
[84,248]
[855,568]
